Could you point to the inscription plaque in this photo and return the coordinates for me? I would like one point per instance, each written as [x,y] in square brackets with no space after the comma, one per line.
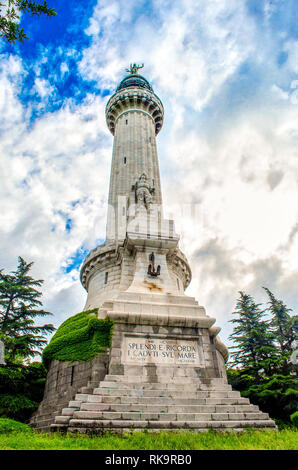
[141,350]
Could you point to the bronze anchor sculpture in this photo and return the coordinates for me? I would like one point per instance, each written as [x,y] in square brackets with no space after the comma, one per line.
[151,269]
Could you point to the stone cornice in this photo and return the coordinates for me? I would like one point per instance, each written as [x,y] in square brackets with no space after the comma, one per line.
[134,99]
[103,255]
[161,320]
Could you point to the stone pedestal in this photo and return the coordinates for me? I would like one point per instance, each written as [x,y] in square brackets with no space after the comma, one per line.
[166,371]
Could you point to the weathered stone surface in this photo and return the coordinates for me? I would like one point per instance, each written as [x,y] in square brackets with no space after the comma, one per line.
[162,411]
[63,382]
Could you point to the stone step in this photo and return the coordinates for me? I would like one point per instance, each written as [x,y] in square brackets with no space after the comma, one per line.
[216,382]
[133,306]
[164,381]
[227,401]
[148,394]
[139,381]
[82,396]
[145,408]
[96,399]
[159,298]
[117,399]
[164,388]
[56,427]
[62,419]
[86,389]
[45,422]
[69,411]
[44,416]
[165,384]
[41,414]
[165,393]
[162,408]
[93,425]
[143,416]
[151,393]
[124,430]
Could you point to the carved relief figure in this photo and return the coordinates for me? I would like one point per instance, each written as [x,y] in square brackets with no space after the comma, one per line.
[143,191]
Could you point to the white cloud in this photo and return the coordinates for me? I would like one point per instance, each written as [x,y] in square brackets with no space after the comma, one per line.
[43,88]
[64,69]
[235,166]
[54,171]
[191,49]
[279,92]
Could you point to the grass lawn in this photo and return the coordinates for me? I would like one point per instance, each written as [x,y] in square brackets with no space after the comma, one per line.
[286,439]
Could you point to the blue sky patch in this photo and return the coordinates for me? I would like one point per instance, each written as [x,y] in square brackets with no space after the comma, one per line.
[75,261]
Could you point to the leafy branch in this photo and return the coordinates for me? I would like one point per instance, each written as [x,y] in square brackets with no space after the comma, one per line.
[10,16]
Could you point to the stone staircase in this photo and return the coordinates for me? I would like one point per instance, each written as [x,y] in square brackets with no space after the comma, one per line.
[42,420]
[119,405]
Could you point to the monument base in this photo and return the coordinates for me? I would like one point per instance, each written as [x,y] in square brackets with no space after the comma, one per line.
[64,380]
[166,372]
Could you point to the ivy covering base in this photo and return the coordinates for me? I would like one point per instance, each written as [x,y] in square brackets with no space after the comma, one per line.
[80,338]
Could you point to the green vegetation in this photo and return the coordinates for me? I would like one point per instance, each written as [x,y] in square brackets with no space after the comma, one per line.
[294,418]
[19,307]
[260,368]
[184,440]
[10,16]
[80,338]
[8,426]
[21,390]
[264,340]
[21,383]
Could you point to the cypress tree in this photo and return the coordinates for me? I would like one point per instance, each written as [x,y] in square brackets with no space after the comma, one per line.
[261,354]
[282,323]
[20,306]
[282,326]
[254,348]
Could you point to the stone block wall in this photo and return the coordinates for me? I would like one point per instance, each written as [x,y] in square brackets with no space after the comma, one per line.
[103,284]
[64,380]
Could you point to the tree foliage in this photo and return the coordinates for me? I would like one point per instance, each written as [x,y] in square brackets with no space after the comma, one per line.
[21,390]
[260,360]
[10,16]
[283,328]
[21,384]
[19,308]
[254,340]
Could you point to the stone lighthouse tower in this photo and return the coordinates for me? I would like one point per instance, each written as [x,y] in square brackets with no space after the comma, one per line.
[166,366]
[137,233]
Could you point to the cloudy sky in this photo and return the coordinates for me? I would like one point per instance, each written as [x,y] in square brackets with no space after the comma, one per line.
[227,74]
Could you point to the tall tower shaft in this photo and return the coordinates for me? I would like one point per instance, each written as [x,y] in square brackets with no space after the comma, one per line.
[136,227]
[134,116]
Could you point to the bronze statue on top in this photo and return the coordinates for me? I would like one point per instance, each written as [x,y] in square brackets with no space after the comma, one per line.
[133,68]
